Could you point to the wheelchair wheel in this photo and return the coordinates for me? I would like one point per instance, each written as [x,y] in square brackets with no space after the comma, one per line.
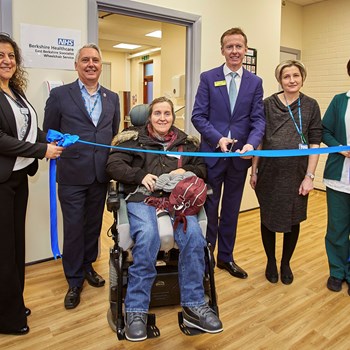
[111,320]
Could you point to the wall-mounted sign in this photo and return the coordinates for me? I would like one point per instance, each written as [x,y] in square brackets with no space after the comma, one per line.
[48,47]
[250,60]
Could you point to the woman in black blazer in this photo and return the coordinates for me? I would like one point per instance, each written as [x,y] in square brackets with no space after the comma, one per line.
[21,144]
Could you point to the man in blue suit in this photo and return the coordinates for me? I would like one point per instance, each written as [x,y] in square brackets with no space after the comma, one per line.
[91,111]
[228,113]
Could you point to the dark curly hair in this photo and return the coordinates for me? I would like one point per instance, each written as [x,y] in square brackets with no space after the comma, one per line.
[19,80]
[348,67]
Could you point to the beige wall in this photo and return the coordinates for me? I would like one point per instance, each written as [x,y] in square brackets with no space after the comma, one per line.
[120,80]
[292,26]
[174,51]
[259,19]
[325,50]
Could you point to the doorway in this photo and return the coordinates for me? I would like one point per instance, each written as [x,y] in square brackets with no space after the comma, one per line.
[190,22]
[148,82]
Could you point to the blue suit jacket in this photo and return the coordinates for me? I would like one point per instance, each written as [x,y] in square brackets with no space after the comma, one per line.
[65,111]
[212,116]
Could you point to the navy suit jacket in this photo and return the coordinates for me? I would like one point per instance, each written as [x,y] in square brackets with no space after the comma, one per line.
[212,116]
[65,111]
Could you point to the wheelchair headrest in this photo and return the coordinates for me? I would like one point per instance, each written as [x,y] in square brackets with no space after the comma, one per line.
[139,114]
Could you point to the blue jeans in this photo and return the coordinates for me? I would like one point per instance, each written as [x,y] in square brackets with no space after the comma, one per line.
[142,273]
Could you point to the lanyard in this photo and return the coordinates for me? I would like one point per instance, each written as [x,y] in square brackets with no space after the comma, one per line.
[300,128]
[23,109]
[93,107]
[27,120]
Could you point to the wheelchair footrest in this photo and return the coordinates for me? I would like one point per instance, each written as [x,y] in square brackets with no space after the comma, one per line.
[152,329]
[187,330]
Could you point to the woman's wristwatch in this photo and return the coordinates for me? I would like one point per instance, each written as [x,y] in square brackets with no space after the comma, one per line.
[310,175]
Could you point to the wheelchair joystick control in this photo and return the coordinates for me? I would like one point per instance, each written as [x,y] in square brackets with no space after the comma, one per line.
[113,202]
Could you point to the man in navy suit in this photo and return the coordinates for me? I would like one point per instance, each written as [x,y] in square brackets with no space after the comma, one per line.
[91,111]
[236,124]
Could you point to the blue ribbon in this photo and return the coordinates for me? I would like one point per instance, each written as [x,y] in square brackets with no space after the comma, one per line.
[257,153]
[66,140]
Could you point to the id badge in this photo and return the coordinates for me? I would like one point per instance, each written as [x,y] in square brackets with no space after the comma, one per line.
[303,146]
[24,111]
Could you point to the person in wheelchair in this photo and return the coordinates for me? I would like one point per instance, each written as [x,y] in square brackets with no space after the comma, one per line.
[138,171]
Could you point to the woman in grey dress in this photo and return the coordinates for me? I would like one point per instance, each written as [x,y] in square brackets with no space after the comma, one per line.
[282,184]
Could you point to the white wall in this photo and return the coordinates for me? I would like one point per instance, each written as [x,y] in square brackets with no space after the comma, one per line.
[53,14]
[259,19]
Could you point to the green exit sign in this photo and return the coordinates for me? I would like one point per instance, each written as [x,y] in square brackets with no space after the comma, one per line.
[145,58]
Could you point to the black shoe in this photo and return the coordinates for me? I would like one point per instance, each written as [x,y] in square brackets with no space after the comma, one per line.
[72,298]
[94,279]
[202,317]
[27,311]
[286,274]
[22,331]
[232,268]
[136,326]
[348,283]
[271,272]
[334,284]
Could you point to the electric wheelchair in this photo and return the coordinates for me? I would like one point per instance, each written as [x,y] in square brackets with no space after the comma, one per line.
[165,290]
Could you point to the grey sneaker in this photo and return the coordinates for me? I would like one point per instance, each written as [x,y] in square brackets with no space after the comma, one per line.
[202,317]
[136,326]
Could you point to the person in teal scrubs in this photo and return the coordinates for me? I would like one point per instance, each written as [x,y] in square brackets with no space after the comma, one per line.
[336,131]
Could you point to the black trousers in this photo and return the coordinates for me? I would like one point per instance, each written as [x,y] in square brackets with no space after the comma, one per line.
[82,208]
[13,207]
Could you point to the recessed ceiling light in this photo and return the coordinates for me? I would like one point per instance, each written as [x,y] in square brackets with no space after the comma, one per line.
[155,34]
[127,46]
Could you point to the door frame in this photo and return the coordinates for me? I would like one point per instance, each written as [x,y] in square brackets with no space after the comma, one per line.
[6,16]
[193,26]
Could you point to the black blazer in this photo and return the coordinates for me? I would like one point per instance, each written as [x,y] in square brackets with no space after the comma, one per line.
[65,111]
[11,147]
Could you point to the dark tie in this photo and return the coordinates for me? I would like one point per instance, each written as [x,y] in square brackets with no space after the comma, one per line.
[232,91]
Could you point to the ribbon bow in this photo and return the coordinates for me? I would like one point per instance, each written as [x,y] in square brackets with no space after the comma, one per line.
[63,140]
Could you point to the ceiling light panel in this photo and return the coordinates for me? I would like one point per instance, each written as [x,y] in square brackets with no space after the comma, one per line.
[127,46]
[155,34]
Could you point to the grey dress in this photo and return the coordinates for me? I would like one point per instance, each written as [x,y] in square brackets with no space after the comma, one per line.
[279,178]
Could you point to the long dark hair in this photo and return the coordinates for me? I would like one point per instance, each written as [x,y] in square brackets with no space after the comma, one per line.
[18,81]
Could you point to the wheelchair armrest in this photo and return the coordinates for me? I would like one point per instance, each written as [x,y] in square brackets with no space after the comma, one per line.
[202,221]
[125,240]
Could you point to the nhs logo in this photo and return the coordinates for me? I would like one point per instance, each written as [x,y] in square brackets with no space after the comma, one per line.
[65,42]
